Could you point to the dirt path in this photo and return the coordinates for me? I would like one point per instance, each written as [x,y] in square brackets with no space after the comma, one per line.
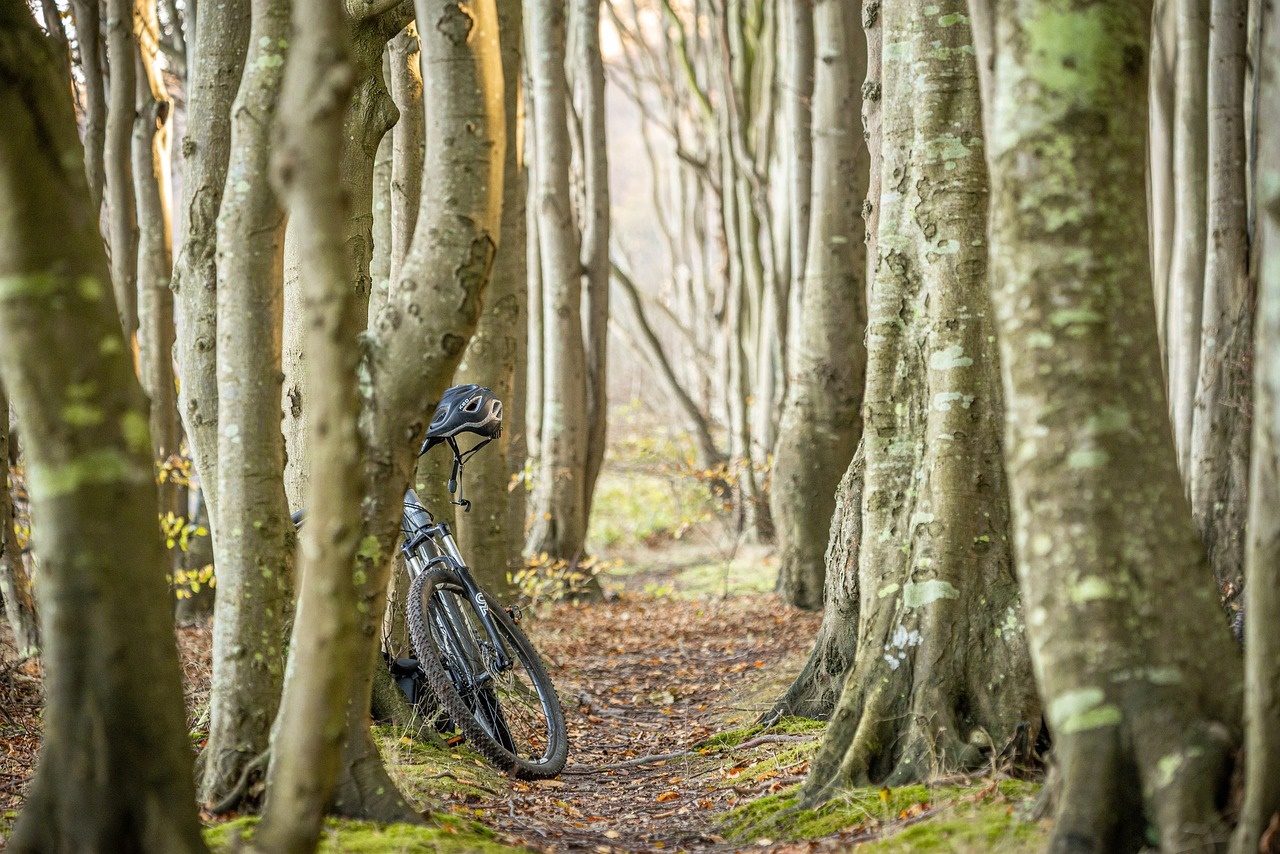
[645,680]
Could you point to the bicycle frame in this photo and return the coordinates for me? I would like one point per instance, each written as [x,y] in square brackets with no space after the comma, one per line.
[422,533]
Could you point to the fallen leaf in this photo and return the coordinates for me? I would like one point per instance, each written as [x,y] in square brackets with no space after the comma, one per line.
[667,796]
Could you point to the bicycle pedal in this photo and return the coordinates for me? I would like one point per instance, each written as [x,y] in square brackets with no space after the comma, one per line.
[455,740]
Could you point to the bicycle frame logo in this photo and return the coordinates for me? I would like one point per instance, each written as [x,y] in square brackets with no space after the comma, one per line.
[481,603]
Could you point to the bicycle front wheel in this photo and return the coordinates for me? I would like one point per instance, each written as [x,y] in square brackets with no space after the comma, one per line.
[510,715]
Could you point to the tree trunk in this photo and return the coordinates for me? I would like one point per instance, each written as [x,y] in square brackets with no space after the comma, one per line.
[155,255]
[122,235]
[1161,179]
[822,419]
[88,20]
[15,584]
[797,94]
[1262,551]
[420,335]
[559,503]
[593,218]
[306,742]
[407,142]
[114,769]
[1143,705]
[491,547]
[221,38]
[942,670]
[1186,276]
[254,545]
[1219,472]
[815,691]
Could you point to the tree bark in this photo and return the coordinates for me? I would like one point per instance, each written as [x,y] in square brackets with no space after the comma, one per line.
[1186,276]
[797,99]
[491,546]
[593,218]
[822,420]
[15,584]
[306,742]
[942,669]
[420,335]
[122,235]
[558,506]
[1143,704]
[155,254]
[254,545]
[88,20]
[114,769]
[221,39]
[1262,550]
[1219,474]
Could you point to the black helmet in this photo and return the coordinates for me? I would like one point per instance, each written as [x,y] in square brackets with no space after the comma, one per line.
[465,409]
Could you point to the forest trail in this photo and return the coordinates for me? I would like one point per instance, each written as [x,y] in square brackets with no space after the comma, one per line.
[646,681]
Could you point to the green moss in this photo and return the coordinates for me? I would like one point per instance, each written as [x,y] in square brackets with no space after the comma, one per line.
[910,818]
[442,833]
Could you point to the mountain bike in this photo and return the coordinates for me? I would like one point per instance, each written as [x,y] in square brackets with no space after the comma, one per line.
[488,681]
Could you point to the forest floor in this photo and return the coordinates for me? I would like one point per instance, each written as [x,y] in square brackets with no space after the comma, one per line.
[661,684]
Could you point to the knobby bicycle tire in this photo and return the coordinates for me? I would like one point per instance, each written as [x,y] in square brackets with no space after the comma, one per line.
[512,718]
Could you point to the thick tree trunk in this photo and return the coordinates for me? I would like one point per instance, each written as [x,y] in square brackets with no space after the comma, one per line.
[1186,275]
[114,770]
[155,254]
[254,545]
[558,506]
[15,584]
[1219,472]
[420,335]
[306,742]
[122,235]
[491,547]
[221,39]
[822,419]
[815,691]
[1262,551]
[1143,705]
[942,669]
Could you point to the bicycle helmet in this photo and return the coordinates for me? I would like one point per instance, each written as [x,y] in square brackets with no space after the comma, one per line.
[465,409]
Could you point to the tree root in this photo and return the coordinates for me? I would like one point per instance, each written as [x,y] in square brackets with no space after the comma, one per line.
[238,791]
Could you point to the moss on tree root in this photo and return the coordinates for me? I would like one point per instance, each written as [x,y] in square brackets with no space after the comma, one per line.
[983,817]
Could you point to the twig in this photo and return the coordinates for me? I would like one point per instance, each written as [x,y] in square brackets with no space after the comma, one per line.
[771,739]
[458,779]
[630,763]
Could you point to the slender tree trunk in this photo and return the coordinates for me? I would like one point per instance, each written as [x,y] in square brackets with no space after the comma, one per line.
[1144,705]
[114,769]
[15,584]
[588,96]
[1186,276]
[306,740]
[419,337]
[797,94]
[1262,550]
[155,253]
[822,420]
[559,503]
[939,613]
[122,235]
[221,39]
[88,19]
[1161,179]
[491,547]
[407,142]
[254,545]
[1219,472]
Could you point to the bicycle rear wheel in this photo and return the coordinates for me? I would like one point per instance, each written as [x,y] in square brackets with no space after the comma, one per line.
[512,716]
